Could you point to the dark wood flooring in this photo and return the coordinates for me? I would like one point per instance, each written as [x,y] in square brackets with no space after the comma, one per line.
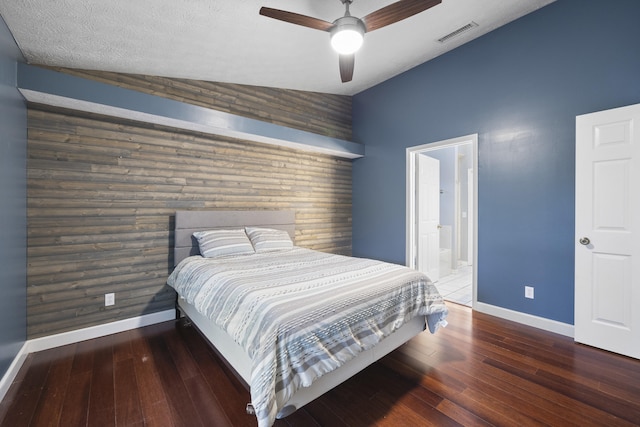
[478,371]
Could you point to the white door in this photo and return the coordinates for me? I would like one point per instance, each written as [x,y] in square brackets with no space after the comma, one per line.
[607,258]
[428,215]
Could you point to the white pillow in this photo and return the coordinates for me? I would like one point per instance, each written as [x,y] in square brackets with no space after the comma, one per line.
[217,243]
[269,239]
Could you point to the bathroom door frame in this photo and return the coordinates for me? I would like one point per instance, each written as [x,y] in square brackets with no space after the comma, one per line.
[411,217]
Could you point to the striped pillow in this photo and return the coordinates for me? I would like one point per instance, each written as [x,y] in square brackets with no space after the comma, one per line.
[217,243]
[268,239]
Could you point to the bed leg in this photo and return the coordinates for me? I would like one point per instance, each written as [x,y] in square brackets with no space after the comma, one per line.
[177,307]
[182,317]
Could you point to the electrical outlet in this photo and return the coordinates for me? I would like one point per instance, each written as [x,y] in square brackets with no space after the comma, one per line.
[528,292]
[109,299]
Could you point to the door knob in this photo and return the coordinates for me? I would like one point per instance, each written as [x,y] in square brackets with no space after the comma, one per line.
[584,241]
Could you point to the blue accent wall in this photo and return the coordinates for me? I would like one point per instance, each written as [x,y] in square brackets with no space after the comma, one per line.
[13,208]
[520,88]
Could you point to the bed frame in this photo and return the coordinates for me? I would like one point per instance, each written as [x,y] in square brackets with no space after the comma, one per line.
[235,357]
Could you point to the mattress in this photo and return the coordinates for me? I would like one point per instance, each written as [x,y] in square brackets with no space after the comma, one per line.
[300,314]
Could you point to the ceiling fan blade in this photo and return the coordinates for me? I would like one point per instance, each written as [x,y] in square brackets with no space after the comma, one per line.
[296,18]
[397,12]
[346,67]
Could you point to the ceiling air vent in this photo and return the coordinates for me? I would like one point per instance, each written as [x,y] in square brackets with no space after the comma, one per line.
[457,32]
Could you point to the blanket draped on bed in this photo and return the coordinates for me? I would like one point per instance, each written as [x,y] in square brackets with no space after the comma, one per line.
[300,313]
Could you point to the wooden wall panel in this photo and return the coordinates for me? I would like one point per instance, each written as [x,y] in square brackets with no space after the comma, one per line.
[321,113]
[101,200]
[102,194]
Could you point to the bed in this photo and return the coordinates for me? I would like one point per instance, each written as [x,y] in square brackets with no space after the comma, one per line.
[286,368]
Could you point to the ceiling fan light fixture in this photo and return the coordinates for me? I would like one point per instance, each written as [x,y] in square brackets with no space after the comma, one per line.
[347,35]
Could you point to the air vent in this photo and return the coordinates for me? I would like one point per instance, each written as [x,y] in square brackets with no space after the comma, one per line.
[457,32]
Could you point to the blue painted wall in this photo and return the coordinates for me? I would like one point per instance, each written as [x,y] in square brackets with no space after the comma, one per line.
[13,208]
[520,88]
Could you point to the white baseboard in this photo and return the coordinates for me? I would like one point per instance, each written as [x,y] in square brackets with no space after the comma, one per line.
[526,319]
[12,372]
[58,340]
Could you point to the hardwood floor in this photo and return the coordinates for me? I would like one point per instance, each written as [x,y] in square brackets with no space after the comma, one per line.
[478,371]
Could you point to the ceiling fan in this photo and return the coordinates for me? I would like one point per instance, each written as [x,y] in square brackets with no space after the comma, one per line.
[347,32]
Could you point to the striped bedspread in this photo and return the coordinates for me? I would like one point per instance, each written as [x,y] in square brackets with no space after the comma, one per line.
[300,313]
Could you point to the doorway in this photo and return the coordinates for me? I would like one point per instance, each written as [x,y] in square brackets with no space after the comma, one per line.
[442,215]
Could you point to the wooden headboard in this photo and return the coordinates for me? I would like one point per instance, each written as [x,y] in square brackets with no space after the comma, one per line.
[189,221]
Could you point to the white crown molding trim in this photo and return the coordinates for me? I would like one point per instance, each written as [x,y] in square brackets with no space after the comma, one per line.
[526,319]
[71,337]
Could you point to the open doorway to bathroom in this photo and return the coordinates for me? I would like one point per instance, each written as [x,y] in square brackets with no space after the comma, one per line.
[441,215]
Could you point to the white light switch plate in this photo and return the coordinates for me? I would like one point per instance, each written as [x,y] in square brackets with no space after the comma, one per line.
[528,292]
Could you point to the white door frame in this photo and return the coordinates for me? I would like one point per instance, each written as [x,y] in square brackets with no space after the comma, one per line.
[412,152]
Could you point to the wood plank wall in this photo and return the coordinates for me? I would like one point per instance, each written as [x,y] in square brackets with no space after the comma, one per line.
[321,113]
[102,193]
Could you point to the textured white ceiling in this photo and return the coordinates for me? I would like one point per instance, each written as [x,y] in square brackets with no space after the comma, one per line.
[228,41]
